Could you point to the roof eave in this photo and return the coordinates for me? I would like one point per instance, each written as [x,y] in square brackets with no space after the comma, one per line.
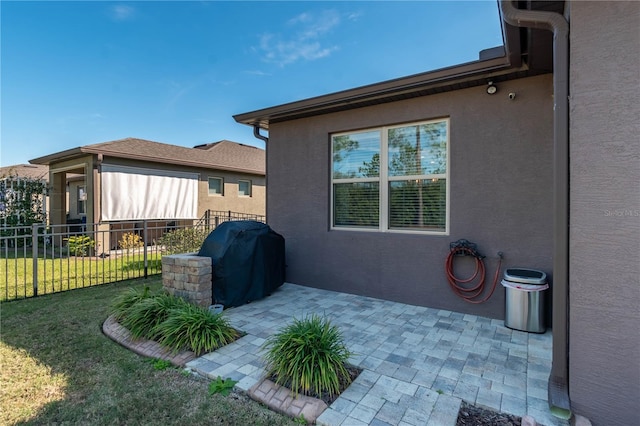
[173,161]
[58,156]
[88,150]
[380,93]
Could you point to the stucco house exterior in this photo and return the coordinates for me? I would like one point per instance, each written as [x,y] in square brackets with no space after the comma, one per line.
[369,186]
[132,180]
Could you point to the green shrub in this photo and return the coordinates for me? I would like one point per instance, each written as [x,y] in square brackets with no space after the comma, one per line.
[130,241]
[146,314]
[171,321]
[79,245]
[126,300]
[308,356]
[195,328]
[185,240]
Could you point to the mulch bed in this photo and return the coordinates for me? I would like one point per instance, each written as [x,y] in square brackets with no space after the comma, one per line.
[470,415]
[326,397]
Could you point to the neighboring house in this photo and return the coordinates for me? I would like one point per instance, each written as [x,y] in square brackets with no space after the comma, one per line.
[10,178]
[134,180]
[369,186]
[28,171]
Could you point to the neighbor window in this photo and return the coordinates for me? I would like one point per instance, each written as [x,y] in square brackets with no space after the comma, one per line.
[244,188]
[216,186]
[391,178]
[82,199]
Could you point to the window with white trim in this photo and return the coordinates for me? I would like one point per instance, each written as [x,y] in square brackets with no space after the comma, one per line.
[409,193]
[216,186]
[82,199]
[244,188]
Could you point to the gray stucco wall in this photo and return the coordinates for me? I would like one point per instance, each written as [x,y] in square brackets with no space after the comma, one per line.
[501,183]
[604,287]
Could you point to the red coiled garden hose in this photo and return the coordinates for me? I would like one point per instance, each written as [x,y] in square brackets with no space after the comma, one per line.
[462,286]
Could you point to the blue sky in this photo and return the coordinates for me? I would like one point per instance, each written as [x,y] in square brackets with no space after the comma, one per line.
[76,73]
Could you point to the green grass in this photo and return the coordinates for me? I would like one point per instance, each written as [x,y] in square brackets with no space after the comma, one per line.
[67,273]
[58,368]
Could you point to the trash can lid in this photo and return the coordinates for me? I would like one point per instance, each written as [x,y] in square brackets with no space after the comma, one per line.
[525,287]
[525,276]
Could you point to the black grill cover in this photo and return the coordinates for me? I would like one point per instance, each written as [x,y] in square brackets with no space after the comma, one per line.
[247,259]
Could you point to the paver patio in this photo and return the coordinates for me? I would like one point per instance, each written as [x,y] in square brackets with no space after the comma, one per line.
[419,363]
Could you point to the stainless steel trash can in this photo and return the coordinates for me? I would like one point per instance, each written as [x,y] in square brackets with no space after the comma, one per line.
[524,299]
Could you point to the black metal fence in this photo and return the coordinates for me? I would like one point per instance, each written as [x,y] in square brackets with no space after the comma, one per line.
[43,259]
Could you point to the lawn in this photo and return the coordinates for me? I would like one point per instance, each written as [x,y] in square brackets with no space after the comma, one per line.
[58,367]
[70,272]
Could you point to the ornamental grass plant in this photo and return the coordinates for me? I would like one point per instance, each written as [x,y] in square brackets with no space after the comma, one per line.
[172,321]
[126,300]
[309,356]
[194,328]
[143,318]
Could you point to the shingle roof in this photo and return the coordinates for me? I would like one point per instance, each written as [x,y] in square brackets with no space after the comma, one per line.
[223,155]
[30,171]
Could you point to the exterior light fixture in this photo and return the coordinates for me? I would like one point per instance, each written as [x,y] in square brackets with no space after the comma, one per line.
[491,89]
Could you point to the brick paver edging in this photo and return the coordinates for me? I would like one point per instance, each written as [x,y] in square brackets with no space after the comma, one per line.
[283,400]
[112,329]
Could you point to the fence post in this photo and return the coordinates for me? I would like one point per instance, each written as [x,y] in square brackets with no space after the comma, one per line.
[229,214]
[144,240]
[34,255]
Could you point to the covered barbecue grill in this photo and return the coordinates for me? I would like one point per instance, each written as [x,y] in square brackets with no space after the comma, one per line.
[248,261]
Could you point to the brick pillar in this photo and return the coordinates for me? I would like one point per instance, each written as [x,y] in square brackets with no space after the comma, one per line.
[188,276]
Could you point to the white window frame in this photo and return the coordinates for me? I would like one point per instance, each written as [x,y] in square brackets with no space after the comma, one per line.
[81,201]
[383,182]
[214,194]
[250,188]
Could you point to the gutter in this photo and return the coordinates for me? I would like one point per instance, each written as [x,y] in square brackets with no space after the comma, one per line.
[558,386]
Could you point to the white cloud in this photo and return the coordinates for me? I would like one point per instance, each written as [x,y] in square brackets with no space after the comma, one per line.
[122,12]
[306,41]
[354,16]
[256,72]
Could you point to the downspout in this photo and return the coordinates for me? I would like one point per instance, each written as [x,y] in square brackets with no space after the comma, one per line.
[256,133]
[558,386]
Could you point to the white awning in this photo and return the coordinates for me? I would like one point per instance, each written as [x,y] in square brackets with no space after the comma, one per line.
[132,193]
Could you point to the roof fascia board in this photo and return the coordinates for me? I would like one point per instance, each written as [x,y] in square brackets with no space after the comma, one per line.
[373,91]
[446,83]
[58,156]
